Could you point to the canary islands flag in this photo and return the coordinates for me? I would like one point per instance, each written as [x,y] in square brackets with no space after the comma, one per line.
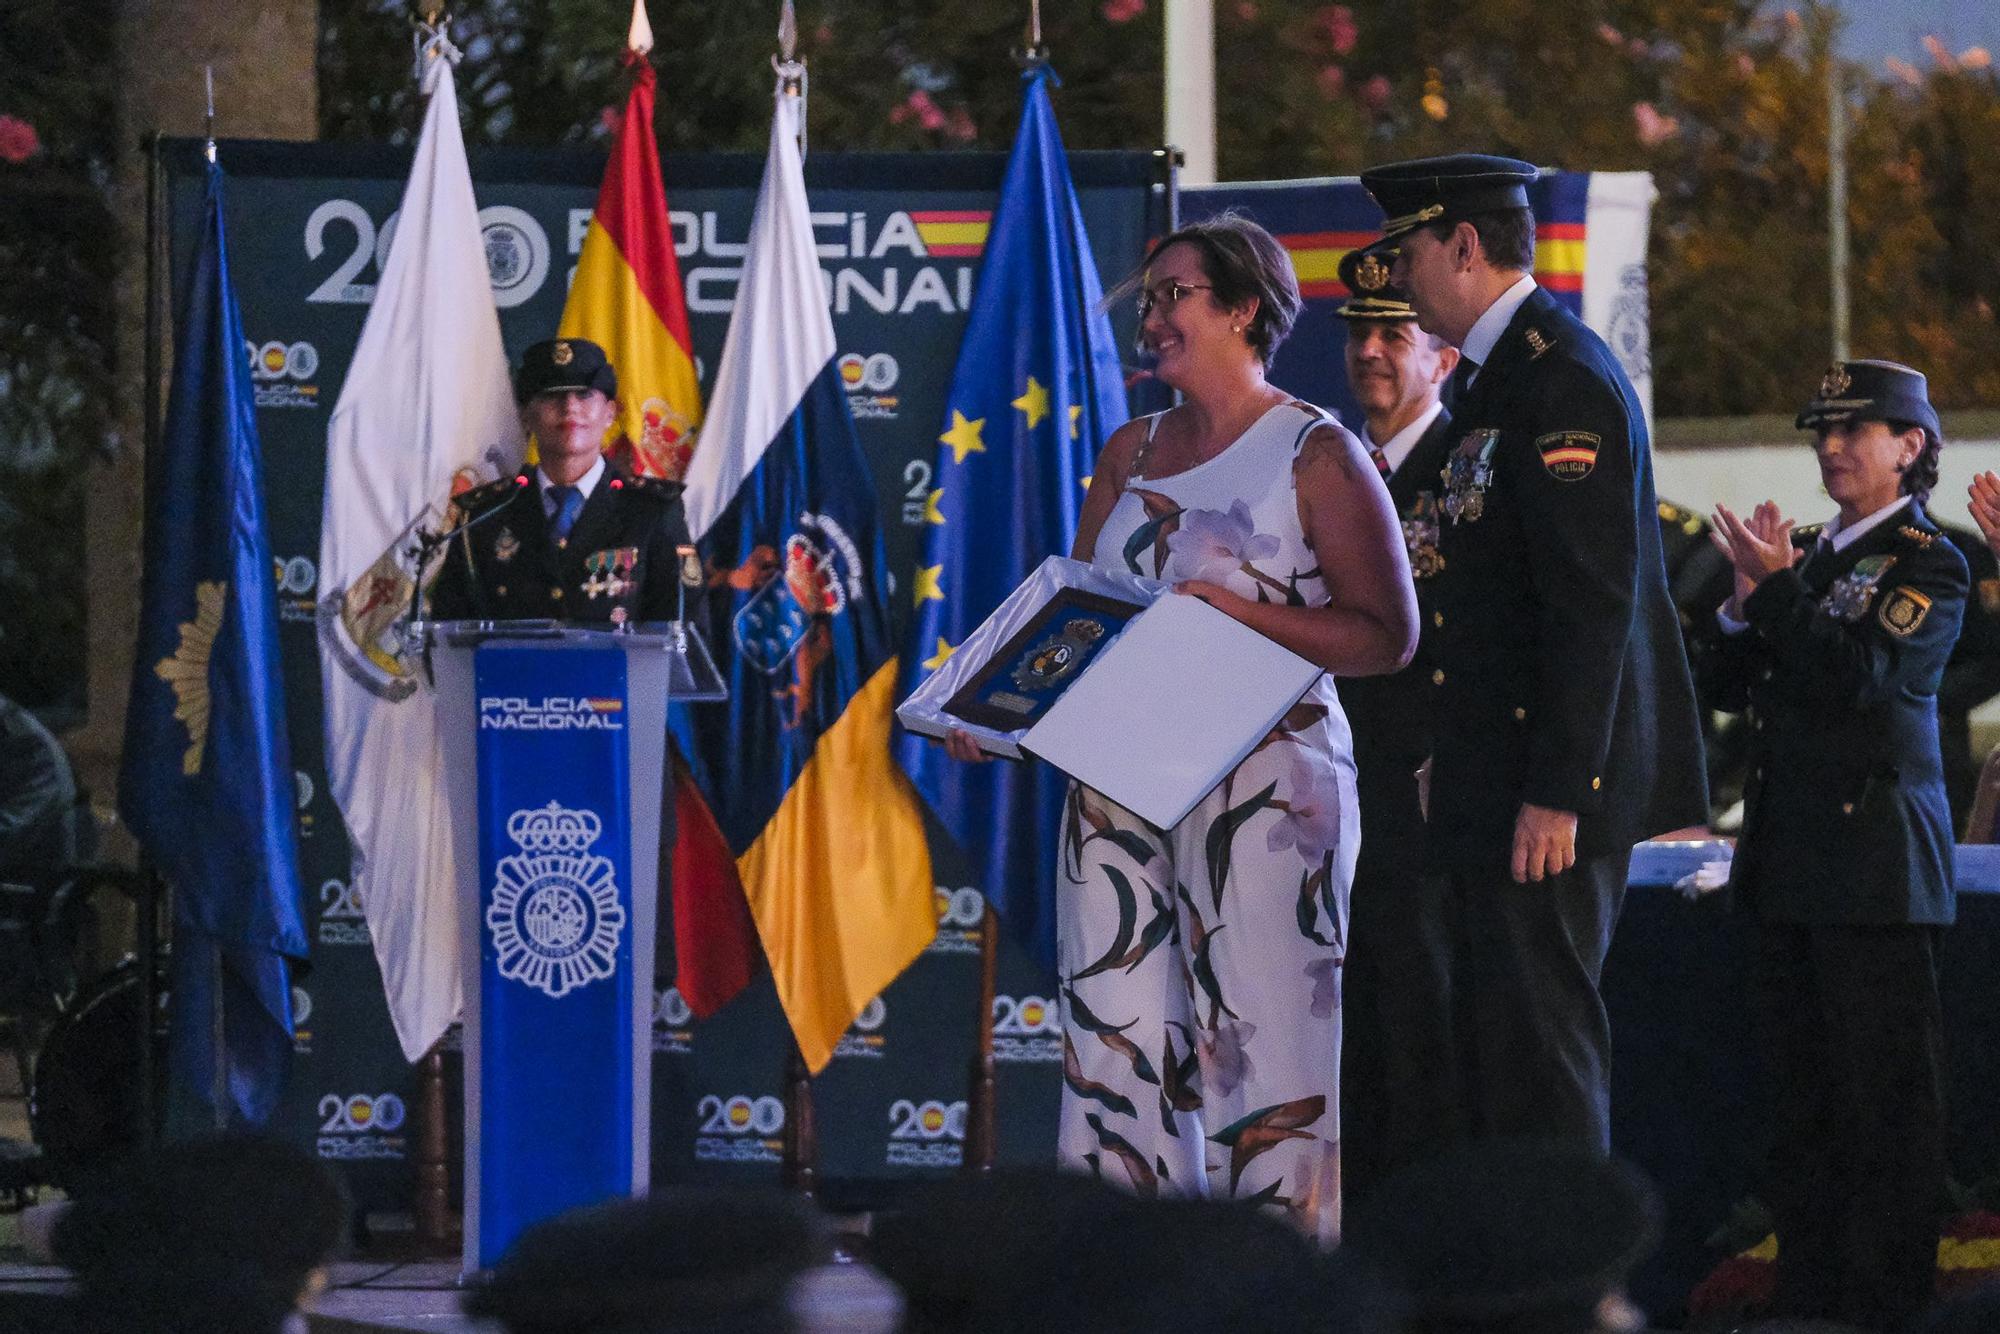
[206,782]
[1036,393]
[827,834]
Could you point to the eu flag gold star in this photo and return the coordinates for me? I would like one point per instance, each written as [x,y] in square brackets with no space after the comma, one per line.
[1075,418]
[932,514]
[1034,401]
[941,657]
[963,437]
[930,584]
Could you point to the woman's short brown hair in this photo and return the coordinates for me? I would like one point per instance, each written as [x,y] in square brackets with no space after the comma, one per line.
[1240,260]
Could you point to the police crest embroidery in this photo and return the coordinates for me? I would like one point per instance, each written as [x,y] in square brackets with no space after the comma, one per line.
[1467,474]
[1854,592]
[1904,611]
[506,546]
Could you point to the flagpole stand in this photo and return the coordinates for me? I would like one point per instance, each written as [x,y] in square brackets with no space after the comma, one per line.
[979,1123]
[436,1227]
[801,1157]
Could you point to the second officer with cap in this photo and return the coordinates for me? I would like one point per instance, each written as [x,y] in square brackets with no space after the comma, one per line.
[572,538]
[1835,641]
[1566,728]
[1397,1086]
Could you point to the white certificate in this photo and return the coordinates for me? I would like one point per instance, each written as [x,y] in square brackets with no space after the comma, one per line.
[1163,714]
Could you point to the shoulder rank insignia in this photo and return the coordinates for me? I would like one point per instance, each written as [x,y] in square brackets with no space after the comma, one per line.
[1568,455]
[1681,517]
[1467,474]
[1538,342]
[1917,535]
[1903,611]
[1854,592]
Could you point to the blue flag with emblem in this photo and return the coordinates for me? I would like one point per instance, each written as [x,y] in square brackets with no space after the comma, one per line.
[206,783]
[1036,393]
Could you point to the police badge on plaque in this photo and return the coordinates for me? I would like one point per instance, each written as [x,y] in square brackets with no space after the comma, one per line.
[1029,672]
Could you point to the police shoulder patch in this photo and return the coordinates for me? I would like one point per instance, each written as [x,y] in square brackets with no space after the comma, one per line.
[1903,611]
[1568,455]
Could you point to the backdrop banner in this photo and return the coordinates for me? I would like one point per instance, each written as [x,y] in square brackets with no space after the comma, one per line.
[1590,251]
[311,225]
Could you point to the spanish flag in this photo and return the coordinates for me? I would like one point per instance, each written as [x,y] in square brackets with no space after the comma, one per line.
[627,299]
[827,831]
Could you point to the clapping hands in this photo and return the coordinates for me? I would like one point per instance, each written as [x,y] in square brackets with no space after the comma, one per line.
[1985,505]
[1761,545]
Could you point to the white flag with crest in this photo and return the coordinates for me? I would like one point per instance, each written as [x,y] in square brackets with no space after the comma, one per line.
[426,412]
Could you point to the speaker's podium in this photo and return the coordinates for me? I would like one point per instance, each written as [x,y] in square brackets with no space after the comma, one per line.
[554,753]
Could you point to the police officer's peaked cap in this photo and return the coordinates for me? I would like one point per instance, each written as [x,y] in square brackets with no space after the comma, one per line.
[1446,189]
[1370,294]
[1871,391]
[1501,1229]
[563,364]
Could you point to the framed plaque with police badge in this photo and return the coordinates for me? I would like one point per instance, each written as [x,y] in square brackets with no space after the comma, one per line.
[1016,686]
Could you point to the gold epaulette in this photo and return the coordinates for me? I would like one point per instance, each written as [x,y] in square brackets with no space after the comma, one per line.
[1917,535]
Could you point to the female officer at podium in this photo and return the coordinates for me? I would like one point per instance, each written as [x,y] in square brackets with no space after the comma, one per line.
[1201,964]
[1834,641]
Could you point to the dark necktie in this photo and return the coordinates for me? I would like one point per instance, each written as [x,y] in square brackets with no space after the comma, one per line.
[569,504]
[1461,378]
[1381,460]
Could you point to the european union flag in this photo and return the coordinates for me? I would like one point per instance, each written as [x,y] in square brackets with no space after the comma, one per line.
[1037,391]
[207,784]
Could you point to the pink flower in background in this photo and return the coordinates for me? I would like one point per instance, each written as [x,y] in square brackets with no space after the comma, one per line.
[18,140]
[1246,10]
[1610,35]
[1905,71]
[1332,81]
[1653,128]
[961,127]
[919,106]
[1975,57]
[1745,65]
[611,118]
[1375,93]
[1123,11]
[1940,55]
[1337,22]
[1637,48]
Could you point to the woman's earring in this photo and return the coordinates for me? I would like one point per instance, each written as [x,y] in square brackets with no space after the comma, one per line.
[1236,328]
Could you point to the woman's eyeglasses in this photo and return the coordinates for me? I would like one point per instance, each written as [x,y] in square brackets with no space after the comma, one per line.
[1167,295]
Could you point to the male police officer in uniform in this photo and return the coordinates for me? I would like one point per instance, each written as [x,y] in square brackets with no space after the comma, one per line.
[1565,729]
[1836,641]
[570,539]
[1397,1084]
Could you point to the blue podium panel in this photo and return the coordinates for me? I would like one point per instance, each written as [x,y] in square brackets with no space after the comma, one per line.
[557,1059]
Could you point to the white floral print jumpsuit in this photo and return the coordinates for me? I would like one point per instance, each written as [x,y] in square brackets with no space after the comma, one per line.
[1201,964]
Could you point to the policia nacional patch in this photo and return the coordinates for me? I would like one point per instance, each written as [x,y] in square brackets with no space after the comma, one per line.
[1569,455]
[1904,611]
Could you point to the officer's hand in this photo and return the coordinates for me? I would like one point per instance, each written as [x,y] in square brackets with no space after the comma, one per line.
[1544,842]
[958,744]
[1985,506]
[1758,548]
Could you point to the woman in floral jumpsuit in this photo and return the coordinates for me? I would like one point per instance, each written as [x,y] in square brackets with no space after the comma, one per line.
[1201,964]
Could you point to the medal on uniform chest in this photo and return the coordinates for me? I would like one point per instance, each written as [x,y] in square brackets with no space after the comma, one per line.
[1420,535]
[1854,592]
[610,571]
[505,545]
[1467,474]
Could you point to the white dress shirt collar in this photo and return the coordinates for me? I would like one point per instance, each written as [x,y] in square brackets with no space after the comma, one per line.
[584,484]
[1843,538]
[1398,446]
[1486,330]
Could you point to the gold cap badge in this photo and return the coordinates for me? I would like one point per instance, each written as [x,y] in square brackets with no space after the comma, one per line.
[561,354]
[1835,382]
[1371,274]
